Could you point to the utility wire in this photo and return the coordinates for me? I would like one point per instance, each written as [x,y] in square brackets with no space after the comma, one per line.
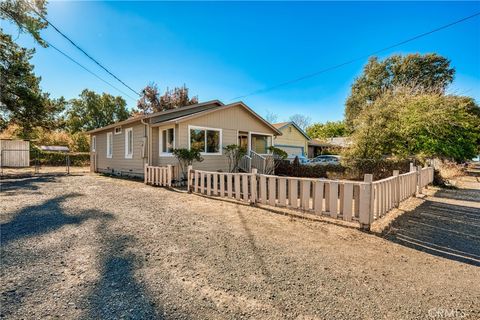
[83,51]
[314,74]
[86,69]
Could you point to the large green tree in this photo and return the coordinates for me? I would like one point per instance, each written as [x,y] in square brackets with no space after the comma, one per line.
[402,124]
[92,110]
[329,129]
[22,101]
[429,72]
[26,15]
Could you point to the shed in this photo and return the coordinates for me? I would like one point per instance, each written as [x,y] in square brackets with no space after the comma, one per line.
[14,153]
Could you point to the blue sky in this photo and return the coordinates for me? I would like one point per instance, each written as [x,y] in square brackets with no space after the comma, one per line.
[222,50]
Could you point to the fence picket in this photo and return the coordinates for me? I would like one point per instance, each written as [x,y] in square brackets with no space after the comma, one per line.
[333,196]
[305,195]
[347,201]
[245,187]
[229,185]
[272,188]
[263,189]
[282,192]
[293,193]
[318,197]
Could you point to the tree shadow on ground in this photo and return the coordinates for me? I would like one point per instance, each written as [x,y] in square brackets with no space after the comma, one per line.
[12,185]
[117,294]
[40,219]
[445,230]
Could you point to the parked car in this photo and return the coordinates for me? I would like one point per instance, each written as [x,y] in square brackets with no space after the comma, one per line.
[302,159]
[324,160]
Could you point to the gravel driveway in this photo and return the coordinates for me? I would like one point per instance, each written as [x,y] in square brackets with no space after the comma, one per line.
[88,246]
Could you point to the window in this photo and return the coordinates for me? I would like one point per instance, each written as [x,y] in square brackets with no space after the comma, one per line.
[167,141]
[207,140]
[109,144]
[261,143]
[118,130]
[129,143]
[94,143]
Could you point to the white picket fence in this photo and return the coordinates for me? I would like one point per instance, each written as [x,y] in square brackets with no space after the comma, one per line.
[361,201]
[158,176]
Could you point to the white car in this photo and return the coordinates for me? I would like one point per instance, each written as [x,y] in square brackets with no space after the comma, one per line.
[324,160]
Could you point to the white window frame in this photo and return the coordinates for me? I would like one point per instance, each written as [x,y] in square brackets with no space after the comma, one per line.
[160,142]
[109,144]
[115,130]
[128,155]
[211,129]
[260,134]
[94,143]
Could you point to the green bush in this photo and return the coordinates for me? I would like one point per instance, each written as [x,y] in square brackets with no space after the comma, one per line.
[285,168]
[48,158]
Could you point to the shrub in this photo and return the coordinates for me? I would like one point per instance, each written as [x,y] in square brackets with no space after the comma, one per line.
[186,158]
[285,168]
[234,154]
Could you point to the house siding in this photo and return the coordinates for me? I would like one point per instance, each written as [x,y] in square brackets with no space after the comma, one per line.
[230,120]
[118,164]
[291,138]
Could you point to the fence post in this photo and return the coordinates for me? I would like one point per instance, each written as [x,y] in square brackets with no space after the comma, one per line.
[412,167]
[145,173]
[189,179]
[253,187]
[419,180]
[396,173]
[366,208]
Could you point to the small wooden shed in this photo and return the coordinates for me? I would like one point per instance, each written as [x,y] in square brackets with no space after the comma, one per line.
[14,153]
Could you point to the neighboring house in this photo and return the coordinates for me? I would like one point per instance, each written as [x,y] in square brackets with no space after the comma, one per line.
[294,141]
[125,147]
[330,145]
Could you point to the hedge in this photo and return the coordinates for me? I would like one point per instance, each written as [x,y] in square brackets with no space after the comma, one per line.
[48,158]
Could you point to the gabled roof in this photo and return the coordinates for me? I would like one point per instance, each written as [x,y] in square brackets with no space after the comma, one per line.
[183,110]
[218,108]
[282,125]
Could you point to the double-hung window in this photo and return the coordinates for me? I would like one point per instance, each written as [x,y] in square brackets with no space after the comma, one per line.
[129,143]
[207,140]
[167,141]
[109,144]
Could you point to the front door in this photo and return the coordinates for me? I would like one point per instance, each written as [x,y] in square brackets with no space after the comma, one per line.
[243,139]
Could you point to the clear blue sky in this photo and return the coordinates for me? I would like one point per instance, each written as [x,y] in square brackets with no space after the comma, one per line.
[222,50]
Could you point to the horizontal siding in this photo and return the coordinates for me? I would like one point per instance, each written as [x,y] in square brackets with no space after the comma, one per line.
[291,138]
[118,163]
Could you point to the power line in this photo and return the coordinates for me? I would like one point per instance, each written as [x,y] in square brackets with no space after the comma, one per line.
[311,75]
[83,51]
[86,69]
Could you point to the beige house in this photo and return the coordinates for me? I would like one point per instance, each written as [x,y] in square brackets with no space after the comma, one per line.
[125,147]
[294,141]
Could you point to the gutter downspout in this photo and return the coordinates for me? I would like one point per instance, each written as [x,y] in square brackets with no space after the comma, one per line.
[147,137]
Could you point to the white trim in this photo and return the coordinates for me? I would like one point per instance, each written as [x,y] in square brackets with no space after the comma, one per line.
[128,155]
[109,144]
[115,130]
[94,143]
[260,134]
[211,129]
[160,142]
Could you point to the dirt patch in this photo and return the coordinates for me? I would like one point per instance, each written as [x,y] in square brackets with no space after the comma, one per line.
[88,246]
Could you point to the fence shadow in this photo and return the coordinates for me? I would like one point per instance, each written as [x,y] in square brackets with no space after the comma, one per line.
[441,229]
[118,295]
[10,184]
[43,218]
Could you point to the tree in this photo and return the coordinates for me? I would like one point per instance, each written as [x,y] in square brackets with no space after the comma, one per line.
[21,101]
[429,72]
[402,124]
[151,101]
[329,129]
[26,15]
[92,110]
[271,117]
[301,120]
[234,154]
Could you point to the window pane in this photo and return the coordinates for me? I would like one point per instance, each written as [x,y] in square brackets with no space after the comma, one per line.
[213,141]
[197,139]
[164,141]
[130,142]
[170,140]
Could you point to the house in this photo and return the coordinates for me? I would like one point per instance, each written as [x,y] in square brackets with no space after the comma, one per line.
[294,141]
[334,145]
[125,147]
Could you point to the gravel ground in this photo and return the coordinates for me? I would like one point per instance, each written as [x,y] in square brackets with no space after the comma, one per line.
[88,246]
